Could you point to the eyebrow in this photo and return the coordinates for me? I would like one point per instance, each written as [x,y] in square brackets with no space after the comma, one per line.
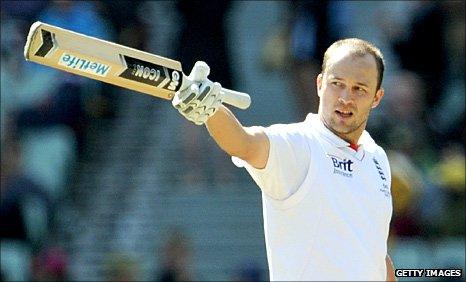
[339,78]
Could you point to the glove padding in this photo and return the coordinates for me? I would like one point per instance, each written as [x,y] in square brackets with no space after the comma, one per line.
[199,101]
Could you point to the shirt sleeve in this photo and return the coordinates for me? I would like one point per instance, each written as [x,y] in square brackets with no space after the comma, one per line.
[287,164]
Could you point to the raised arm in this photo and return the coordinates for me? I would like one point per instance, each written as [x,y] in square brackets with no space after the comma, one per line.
[201,103]
[247,143]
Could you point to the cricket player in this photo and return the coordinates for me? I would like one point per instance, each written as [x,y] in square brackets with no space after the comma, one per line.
[325,182]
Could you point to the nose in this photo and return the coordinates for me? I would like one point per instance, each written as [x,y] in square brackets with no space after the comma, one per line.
[345,96]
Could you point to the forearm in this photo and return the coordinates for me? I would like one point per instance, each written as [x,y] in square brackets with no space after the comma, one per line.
[228,133]
[390,269]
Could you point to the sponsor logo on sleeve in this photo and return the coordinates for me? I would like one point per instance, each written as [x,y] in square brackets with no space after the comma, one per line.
[385,188]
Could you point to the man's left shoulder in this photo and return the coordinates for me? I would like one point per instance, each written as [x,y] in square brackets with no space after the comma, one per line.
[371,146]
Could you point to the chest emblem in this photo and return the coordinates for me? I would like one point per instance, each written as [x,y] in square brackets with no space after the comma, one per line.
[343,167]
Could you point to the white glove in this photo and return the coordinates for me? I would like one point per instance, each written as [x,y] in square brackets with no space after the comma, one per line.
[200,100]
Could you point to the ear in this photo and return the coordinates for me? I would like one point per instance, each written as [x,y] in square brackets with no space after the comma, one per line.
[378,97]
[319,84]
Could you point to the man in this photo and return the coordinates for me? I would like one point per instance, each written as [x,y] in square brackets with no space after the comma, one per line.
[325,182]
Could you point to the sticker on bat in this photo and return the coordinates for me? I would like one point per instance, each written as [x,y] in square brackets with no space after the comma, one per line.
[47,43]
[150,73]
[175,81]
[80,64]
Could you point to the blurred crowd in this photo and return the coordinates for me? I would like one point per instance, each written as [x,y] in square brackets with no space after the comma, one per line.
[46,114]
[44,119]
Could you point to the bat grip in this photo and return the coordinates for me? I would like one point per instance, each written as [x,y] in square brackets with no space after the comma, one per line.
[238,99]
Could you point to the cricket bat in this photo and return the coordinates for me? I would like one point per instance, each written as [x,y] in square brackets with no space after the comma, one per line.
[112,63]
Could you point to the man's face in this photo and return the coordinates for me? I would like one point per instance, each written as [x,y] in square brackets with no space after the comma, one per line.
[347,92]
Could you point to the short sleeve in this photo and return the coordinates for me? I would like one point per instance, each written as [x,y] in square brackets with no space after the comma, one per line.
[287,164]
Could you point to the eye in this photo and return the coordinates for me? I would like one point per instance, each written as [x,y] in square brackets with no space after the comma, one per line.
[360,90]
[336,83]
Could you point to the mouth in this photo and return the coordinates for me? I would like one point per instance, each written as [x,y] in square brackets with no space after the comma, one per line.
[343,114]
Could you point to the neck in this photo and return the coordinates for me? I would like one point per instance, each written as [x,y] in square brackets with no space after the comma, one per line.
[351,137]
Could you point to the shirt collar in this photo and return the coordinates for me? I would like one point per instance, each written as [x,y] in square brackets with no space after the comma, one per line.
[317,124]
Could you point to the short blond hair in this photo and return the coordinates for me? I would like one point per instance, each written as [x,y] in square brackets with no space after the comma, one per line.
[357,47]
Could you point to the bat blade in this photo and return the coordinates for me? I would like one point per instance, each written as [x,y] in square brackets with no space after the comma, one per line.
[111,63]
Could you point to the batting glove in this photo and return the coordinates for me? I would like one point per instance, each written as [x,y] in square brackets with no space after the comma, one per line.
[201,100]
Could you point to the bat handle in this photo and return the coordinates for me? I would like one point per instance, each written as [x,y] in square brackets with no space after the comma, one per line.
[235,98]
[238,99]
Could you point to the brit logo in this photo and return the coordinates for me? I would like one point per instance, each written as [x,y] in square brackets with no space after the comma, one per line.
[342,167]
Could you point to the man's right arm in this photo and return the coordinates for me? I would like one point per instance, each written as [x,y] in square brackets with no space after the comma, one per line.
[250,144]
[269,153]
[201,103]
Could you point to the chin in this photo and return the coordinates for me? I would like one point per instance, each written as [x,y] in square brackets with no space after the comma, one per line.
[336,128]
[343,130]
[342,127]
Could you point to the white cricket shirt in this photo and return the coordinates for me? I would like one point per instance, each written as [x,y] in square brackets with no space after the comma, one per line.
[326,207]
